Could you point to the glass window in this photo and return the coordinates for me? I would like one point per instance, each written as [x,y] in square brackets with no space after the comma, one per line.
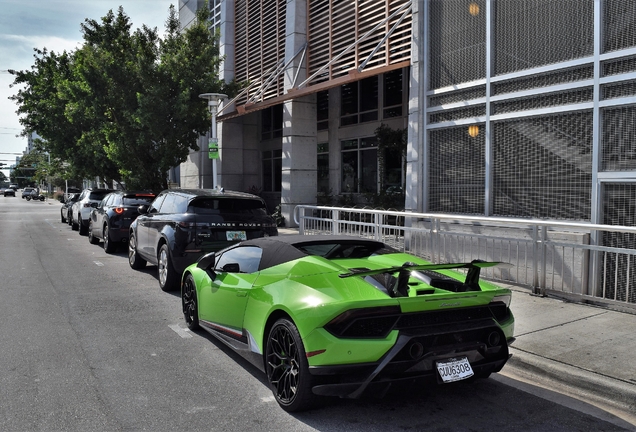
[359,101]
[272,165]
[208,206]
[156,204]
[248,259]
[323,168]
[272,122]
[322,108]
[359,165]
[392,94]
[168,205]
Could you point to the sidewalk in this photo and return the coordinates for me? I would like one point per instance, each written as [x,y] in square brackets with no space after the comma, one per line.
[582,351]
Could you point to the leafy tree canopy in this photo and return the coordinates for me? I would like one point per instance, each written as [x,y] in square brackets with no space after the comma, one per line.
[125,105]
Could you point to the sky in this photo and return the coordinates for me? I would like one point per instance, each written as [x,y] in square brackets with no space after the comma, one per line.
[54,25]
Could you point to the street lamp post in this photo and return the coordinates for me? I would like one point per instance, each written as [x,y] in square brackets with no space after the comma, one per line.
[213,146]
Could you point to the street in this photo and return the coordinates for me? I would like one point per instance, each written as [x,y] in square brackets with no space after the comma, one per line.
[88,344]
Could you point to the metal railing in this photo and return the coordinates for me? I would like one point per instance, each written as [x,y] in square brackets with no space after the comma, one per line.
[550,257]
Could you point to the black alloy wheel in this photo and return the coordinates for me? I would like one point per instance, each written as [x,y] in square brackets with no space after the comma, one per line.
[287,368]
[136,262]
[189,303]
[62,218]
[109,246]
[168,278]
[91,237]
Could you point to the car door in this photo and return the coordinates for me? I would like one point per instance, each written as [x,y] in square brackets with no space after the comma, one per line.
[97,215]
[224,301]
[157,221]
[144,224]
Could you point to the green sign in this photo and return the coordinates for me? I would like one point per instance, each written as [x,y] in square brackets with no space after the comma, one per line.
[213,148]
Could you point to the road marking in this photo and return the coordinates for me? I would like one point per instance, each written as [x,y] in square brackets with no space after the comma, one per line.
[184,333]
[268,399]
[99,264]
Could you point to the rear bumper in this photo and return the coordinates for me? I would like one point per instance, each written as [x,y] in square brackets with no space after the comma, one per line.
[414,357]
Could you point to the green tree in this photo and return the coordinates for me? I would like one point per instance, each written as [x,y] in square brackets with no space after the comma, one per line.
[125,106]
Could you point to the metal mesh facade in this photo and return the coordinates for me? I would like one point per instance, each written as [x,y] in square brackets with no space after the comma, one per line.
[551,105]
[543,167]
[457,171]
[619,139]
[619,284]
[539,103]
[533,33]
[457,49]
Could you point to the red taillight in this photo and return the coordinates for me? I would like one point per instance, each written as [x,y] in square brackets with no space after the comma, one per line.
[119,210]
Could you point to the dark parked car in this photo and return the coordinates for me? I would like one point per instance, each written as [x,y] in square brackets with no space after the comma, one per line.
[111,219]
[9,192]
[66,207]
[81,209]
[182,224]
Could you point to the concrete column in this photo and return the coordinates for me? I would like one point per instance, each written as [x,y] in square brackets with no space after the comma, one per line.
[416,156]
[299,172]
[239,153]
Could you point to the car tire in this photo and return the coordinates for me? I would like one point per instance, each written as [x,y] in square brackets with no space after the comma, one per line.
[62,219]
[83,230]
[189,302]
[91,238]
[287,368]
[136,262]
[168,278]
[109,246]
[74,224]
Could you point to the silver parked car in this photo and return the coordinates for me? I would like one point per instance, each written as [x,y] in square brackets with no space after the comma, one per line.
[89,199]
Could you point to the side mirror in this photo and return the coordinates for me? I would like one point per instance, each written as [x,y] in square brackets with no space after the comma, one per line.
[232,268]
[143,209]
[206,262]
[94,205]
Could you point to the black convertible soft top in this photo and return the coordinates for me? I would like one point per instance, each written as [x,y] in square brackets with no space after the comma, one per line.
[281,249]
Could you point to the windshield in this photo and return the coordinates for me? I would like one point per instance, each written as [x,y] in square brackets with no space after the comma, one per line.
[137,201]
[227,205]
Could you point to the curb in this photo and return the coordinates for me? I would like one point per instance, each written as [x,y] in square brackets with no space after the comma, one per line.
[605,392]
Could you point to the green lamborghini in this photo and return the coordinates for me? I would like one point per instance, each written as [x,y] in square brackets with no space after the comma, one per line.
[339,316]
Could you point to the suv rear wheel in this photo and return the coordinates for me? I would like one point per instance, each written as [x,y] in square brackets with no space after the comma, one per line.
[168,277]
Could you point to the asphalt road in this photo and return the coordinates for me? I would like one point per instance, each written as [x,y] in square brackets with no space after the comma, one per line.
[88,344]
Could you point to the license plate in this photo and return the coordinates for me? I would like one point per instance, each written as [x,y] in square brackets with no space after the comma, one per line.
[235,235]
[454,369]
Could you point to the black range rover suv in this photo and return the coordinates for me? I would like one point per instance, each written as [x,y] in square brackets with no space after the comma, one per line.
[181,225]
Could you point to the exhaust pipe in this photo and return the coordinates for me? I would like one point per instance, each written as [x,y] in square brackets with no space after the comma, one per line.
[416,350]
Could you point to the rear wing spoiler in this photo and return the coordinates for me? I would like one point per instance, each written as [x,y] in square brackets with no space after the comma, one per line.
[400,288]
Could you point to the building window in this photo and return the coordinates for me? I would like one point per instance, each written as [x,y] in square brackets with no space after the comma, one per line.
[359,165]
[272,169]
[272,122]
[323,168]
[359,101]
[322,107]
[215,14]
[392,94]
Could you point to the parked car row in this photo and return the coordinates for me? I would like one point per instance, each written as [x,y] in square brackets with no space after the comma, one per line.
[320,315]
[170,230]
